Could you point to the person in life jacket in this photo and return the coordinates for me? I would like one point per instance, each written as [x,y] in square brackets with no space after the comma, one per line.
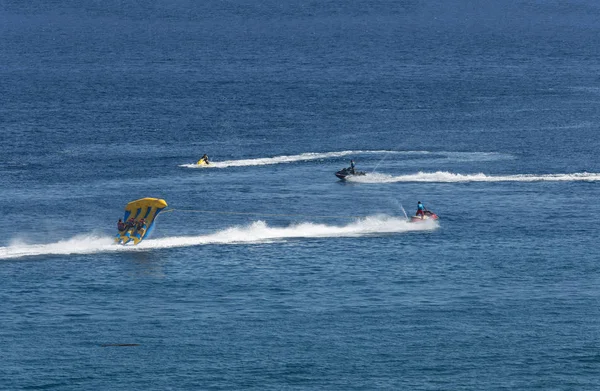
[352,166]
[121,225]
[130,224]
[140,225]
[420,209]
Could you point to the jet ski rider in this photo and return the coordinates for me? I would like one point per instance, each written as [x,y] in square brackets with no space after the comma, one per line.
[420,209]
[352,167]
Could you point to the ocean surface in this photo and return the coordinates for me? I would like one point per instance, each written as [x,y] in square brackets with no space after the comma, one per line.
[267,272]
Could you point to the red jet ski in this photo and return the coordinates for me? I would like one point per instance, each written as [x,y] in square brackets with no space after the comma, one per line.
[427,215]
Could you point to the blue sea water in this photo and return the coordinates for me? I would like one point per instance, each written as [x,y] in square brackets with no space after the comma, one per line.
[269,273]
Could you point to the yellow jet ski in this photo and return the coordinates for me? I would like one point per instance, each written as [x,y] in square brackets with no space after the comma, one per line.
[203,161]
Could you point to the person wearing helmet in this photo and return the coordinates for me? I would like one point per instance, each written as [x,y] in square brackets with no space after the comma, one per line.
[420,209]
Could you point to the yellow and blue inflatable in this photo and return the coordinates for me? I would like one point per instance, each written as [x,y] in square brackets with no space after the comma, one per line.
[141,214]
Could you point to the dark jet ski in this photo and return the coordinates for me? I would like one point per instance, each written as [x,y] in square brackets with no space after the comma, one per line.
[348,172]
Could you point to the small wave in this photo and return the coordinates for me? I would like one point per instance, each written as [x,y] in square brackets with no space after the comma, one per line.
[448,177]
[308,156]
[257,232]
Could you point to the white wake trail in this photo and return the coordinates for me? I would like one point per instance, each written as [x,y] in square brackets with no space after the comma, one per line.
[448,177]
[257,232]
[281,159]
[308,156]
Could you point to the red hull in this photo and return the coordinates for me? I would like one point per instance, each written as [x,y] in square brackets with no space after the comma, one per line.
[418,219]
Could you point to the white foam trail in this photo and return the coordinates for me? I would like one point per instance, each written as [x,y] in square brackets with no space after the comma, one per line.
[80,244]
[257,232]
[448,177]
[281,159]
[458,156]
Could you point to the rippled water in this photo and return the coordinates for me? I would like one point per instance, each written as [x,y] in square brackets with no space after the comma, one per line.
[268,272]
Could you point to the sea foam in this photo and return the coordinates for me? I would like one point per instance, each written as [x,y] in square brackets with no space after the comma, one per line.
[256,232]
[449,177]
